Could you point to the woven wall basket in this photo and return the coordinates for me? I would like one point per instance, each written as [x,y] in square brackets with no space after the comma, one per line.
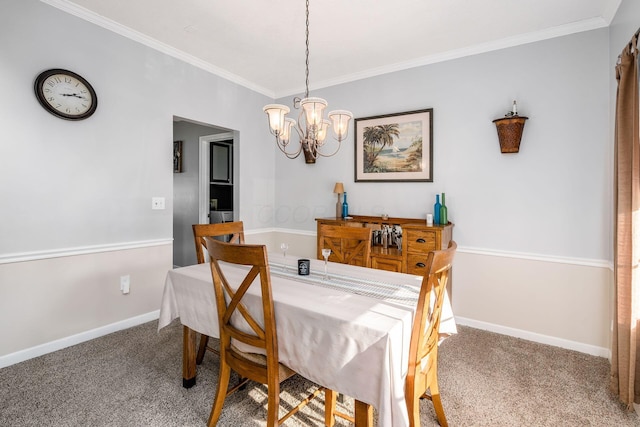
[510,133]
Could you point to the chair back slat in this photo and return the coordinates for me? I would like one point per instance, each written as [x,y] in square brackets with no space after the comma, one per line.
[233,229]
[349,245]
[259,331]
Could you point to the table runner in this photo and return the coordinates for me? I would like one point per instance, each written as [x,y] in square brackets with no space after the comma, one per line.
[392,292]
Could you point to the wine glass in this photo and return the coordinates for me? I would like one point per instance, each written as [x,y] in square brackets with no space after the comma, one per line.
[284,247]
[325,253]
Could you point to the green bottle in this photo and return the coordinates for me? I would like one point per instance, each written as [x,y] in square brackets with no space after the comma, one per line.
[443,213]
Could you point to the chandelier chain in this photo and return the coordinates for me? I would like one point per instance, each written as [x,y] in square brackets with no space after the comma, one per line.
[306,94]
[311,127]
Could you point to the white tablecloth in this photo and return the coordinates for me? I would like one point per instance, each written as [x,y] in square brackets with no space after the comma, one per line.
[354,344]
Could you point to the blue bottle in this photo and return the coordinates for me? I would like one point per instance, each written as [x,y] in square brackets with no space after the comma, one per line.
[345,206]
[436,210]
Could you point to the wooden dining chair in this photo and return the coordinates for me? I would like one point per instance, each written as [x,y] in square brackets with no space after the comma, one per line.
[235,231]
[237,323]
[422,375]
[349,245]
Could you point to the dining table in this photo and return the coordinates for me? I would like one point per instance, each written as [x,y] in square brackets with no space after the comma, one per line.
[347,330]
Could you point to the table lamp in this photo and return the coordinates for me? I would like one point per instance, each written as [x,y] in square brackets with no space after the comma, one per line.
[338,189]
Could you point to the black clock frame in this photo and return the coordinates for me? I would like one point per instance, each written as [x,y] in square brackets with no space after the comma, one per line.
[38,87]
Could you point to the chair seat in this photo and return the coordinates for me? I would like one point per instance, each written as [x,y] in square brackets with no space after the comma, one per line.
[284,371]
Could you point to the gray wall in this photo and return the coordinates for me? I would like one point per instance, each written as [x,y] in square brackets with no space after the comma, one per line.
[76,184]
[81,187]
[552,198]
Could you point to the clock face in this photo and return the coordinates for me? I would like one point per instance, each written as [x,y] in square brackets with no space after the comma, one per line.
[65,94]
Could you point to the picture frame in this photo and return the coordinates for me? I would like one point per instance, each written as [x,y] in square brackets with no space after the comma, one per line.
[394,147]
[177,156]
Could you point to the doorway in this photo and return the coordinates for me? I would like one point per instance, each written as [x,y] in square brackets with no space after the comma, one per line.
[190,195]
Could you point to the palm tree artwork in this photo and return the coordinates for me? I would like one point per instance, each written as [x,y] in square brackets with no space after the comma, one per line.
[381,154]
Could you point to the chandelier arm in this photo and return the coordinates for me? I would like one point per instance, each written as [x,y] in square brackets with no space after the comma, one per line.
[289,154]
[319,153]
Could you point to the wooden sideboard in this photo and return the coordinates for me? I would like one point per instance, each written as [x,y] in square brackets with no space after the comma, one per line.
[417,240]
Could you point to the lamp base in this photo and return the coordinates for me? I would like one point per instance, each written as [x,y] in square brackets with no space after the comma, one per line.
[338,208]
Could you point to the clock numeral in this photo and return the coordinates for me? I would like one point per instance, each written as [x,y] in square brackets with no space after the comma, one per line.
[46,89]
[67,80]
[68,110]
[51,98]
[57,79]
[51,83]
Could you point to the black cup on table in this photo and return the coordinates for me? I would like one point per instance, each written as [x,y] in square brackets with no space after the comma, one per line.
[304,265]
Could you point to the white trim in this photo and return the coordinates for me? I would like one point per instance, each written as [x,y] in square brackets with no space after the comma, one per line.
[82,250]
[539,338]
[549,33]
[134,35]
[203,174]
[50,347]
[538,257]
[259,231]
[559,31]
[505,254]
[294,231]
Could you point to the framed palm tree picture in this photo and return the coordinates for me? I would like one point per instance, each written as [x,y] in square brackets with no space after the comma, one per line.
[395,147]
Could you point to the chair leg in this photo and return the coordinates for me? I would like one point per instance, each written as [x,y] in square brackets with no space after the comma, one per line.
[221,393]
[437,403]
[273,404]
[413,407]
[329,407]
[204,340]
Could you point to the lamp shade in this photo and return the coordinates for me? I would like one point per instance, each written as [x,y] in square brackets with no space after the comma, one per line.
[276,113]
[286,130]
[313,110]
[322,131]
[340,119]
[339,188]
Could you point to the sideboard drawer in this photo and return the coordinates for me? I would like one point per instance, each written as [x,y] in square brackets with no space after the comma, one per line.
[382,263]
[417,264]
[421,241]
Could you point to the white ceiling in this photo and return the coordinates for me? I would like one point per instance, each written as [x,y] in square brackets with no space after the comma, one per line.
[261,43]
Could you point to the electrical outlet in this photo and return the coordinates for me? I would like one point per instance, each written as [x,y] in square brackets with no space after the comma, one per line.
[125,283]
[157,203]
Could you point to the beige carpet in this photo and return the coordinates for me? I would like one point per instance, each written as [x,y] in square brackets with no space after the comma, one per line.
[133,378]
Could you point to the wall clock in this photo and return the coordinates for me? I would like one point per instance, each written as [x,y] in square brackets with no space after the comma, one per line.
[65,94]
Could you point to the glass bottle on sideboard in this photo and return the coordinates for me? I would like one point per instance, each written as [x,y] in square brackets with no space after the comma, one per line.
[443,212]
[436,210]
[345,206]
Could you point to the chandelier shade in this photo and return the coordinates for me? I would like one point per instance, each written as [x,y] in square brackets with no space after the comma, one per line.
[276,114]
[312,128]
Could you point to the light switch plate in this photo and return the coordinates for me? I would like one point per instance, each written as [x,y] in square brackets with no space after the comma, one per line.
[125,283]
[157,203]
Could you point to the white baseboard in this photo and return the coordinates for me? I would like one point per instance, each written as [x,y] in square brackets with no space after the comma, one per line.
[539,338]
[50,347]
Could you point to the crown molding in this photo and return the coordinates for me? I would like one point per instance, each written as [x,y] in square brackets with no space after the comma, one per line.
[532,37]
[129,33]
[535,36]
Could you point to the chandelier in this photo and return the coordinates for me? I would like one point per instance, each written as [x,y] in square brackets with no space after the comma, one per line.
[312,127]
